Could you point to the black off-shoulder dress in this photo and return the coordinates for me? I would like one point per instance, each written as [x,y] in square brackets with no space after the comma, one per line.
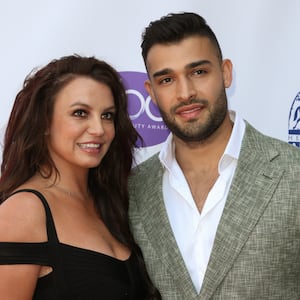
[77,273]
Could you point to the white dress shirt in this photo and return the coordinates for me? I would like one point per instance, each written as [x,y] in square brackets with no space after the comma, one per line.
[195,232]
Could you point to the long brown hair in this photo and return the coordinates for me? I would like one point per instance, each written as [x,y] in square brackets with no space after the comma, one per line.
[25,149]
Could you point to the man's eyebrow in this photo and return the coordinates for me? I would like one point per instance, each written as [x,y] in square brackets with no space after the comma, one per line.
[188,66]
[162,72]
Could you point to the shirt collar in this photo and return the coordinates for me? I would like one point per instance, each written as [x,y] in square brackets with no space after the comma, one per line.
[232,150]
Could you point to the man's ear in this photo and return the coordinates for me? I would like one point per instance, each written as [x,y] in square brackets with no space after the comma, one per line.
[148,88]
[227,72]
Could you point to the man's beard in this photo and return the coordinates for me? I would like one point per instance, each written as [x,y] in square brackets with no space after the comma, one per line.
[193,131]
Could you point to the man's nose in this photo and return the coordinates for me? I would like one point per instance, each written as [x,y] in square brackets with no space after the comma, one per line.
[185,89]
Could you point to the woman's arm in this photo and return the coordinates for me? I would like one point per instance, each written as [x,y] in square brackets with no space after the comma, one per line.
[22,219]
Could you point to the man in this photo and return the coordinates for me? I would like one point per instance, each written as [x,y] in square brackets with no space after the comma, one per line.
[217,211]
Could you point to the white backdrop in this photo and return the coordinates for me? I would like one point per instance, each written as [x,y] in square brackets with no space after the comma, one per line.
[261,37]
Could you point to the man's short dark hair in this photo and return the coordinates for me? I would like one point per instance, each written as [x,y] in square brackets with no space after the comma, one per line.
[173,28]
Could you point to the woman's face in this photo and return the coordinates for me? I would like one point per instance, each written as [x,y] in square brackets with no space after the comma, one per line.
[82,126]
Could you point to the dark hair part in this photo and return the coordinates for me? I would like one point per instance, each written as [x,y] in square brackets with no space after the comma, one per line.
[175,27]
[25,139]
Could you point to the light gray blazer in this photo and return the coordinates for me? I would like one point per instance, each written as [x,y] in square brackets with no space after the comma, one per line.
[256,252]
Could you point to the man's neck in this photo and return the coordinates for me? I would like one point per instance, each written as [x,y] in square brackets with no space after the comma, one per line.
[203,154]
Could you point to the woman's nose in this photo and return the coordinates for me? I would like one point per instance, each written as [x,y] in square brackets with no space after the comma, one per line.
[96,127]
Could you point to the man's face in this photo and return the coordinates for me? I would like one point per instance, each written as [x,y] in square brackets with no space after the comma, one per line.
[187,81]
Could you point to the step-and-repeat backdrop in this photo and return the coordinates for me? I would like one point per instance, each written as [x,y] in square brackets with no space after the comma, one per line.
[260,37]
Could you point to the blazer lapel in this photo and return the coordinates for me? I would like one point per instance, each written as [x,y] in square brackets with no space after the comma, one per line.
[159,233]
[244,206]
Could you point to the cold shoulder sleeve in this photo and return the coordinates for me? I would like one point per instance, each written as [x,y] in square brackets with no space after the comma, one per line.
[24,253]
[31,253]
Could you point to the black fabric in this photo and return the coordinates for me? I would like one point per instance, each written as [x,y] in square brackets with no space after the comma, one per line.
[78,274]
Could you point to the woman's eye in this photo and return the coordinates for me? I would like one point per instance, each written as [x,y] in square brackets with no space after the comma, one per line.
[108,116]
[80,113]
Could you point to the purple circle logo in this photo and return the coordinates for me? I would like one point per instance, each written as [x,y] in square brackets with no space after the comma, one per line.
[143,113]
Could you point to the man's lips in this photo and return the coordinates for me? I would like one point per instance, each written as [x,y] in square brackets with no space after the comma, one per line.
[189,109]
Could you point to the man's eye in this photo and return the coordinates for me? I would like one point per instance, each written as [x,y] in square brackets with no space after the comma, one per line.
[165,80]
[199,72]
[80,113]
[108,116]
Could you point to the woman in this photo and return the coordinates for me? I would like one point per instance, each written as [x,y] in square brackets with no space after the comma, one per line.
[64,231]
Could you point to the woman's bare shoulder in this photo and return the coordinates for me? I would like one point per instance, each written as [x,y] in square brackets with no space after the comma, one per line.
[22,218]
